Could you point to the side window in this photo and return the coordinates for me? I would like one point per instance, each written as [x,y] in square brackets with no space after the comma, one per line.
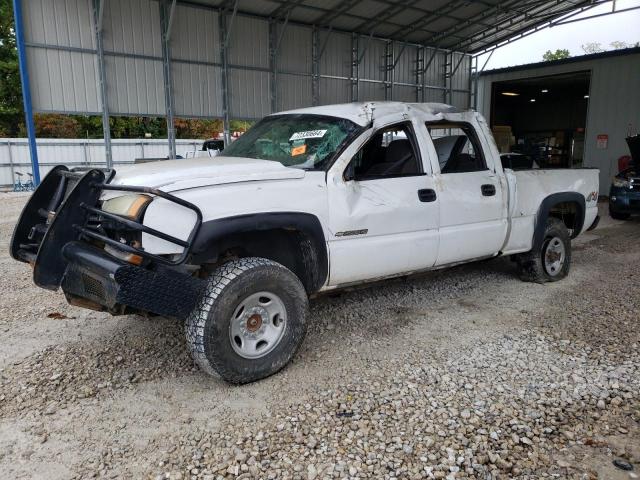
[391,152]
[457,147]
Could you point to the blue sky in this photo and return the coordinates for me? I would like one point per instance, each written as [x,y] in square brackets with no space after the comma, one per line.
[624,27]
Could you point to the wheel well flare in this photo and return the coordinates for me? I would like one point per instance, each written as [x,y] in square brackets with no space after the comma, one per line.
[295,240]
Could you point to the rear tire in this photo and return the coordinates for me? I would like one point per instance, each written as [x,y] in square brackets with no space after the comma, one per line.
[250,322]
[551,261]
[618,215]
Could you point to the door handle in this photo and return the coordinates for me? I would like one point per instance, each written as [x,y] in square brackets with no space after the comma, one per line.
[427,195]
[488,190]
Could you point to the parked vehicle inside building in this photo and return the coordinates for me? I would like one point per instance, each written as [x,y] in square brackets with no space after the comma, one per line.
[624,195]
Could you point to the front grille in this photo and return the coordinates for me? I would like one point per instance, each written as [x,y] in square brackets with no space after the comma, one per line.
[93,288]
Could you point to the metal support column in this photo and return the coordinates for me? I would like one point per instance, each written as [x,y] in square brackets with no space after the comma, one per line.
[426,69]
[476,77]
[355,67]
[420,74]
[389,66]
[470,83]
[26,90]
[98,9]
[166,16]
[315,66]
[273,65]
[224,58]
[275,40]
[448,66]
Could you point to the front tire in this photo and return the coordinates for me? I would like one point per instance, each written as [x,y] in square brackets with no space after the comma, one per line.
[250,322]
[551,261]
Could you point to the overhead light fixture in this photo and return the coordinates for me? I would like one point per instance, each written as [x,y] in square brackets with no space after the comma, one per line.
[586,96]
[510,94]
[532,100]
[544,90]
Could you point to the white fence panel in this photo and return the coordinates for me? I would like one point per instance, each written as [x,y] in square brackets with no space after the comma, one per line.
[14,154]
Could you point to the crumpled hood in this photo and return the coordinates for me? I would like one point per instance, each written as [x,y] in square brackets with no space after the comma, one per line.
[173,175]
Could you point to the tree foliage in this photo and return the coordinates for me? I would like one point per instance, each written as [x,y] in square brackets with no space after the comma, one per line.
[592,47]
[617,45]
[559,54]
[10,90]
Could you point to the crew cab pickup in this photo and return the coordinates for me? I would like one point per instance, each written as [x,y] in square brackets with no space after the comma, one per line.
[305,202]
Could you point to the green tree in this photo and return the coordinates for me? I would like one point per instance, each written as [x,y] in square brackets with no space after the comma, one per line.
[11,112]
[559,54]
[618,45]
[592,47]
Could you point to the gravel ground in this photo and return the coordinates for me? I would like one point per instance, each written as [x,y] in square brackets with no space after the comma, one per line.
[464,373]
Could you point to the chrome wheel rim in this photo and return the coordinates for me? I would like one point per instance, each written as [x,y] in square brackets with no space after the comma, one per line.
[554,256]
[257,325]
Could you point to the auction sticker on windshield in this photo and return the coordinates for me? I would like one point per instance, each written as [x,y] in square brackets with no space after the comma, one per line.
[298,150]
[308,134]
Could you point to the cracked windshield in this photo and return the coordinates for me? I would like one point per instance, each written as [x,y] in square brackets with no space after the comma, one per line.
[308,142]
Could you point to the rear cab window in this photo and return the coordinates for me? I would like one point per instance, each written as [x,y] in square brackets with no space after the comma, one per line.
[457,146]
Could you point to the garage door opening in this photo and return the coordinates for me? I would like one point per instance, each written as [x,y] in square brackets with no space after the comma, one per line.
[543,118]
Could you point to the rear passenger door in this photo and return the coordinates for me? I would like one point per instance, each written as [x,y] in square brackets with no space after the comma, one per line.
[383,210]
[473,204]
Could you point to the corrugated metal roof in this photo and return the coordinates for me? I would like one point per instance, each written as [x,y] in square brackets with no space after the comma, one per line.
[461,25]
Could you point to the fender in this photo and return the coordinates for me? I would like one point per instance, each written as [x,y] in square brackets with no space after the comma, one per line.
[314,259]
[545,207]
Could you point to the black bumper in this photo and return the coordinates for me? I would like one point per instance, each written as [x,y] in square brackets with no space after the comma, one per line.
[623,200]
[60,234]
[97,280]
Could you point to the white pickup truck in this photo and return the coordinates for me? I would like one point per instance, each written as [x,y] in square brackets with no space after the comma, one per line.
[306,201]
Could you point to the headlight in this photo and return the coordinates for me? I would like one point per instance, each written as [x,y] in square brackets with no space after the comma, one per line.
[130,206]
[620,182]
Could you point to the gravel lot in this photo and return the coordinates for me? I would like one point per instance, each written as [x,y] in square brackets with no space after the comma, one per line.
[461,373]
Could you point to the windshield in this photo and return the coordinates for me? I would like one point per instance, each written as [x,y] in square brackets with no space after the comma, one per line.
[301,141]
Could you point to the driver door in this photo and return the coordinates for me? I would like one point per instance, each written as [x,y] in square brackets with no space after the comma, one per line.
[383,208]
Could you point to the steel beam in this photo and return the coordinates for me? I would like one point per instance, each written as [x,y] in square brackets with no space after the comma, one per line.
[448,85]
[522,26]
[325,42]
[275,40]
[493,12]
[229,27]
[26,90]
[273,89]
[453,72]
[355,67]
[389,65]
[169,19]
[166,74]
[315,67]
[420,58]
[224,58]
[564,22]
[382,17]
[98,10]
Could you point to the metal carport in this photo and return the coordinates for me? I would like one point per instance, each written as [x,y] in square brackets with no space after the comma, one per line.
[243,59]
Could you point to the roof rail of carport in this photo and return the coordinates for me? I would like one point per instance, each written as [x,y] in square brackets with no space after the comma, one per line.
[582,58]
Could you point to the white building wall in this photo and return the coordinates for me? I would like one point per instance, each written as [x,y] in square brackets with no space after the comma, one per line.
[614,104]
